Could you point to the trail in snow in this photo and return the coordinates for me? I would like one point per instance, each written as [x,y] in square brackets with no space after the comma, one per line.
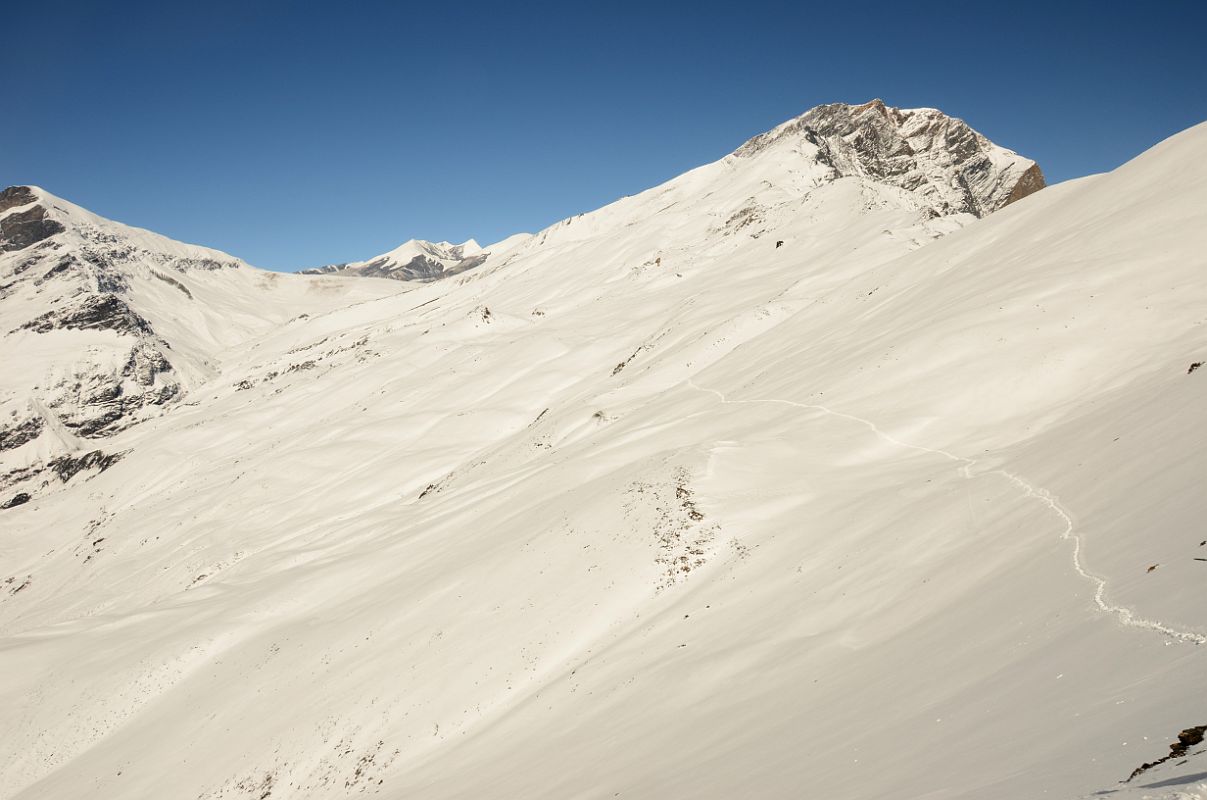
[1124,615]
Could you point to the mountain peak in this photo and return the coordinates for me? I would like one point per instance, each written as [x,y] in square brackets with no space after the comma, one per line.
[414,259]
[947,164]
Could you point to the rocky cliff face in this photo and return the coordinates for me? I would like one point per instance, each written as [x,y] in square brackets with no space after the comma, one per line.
[943,161]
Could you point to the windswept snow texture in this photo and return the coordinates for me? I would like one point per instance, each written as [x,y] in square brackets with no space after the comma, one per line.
[787,478]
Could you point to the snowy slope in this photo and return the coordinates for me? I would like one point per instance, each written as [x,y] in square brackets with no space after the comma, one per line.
[657,506]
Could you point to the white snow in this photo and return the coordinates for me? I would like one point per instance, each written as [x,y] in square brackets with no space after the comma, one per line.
[917,470]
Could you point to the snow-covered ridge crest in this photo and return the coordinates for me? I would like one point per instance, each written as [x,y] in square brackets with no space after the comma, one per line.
[938,157]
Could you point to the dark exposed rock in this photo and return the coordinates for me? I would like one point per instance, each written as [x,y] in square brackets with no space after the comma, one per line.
[105,418]
[19,475]
[96,312]
[20,229]
[64,264]
[1194,366]
[20,498]
[17,435]
[15,196]
[22,266]
[1031,182]
[66,467]
[1186,740]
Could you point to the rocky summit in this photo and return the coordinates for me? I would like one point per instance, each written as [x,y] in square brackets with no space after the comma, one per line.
[937,157]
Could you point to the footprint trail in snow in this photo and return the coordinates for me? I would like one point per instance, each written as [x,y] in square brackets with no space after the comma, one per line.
[1124,615]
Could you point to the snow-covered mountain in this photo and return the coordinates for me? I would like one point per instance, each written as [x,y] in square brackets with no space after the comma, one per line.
[413,260]
[826,470]
[947,167]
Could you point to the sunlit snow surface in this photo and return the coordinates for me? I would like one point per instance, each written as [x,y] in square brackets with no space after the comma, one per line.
[652,507]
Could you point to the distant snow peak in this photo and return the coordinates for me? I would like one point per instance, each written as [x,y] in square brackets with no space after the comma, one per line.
[943,161]
[413,260]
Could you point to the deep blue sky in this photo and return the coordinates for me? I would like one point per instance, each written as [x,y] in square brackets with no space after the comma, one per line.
[294,134]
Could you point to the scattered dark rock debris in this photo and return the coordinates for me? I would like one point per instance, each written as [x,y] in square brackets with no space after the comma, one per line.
[1186,740]
[260,789]
[305,365]
[67,466]
[779,243]
[19,499]
[625,363]
[14,587]
[1153,567]
[17,435]
[1194,366]
[431,487]
[243,385]
[305,347]
[684,494]
[682,537]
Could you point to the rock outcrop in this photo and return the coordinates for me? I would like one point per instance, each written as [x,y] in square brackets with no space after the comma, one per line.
[947,164]
[20,229]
